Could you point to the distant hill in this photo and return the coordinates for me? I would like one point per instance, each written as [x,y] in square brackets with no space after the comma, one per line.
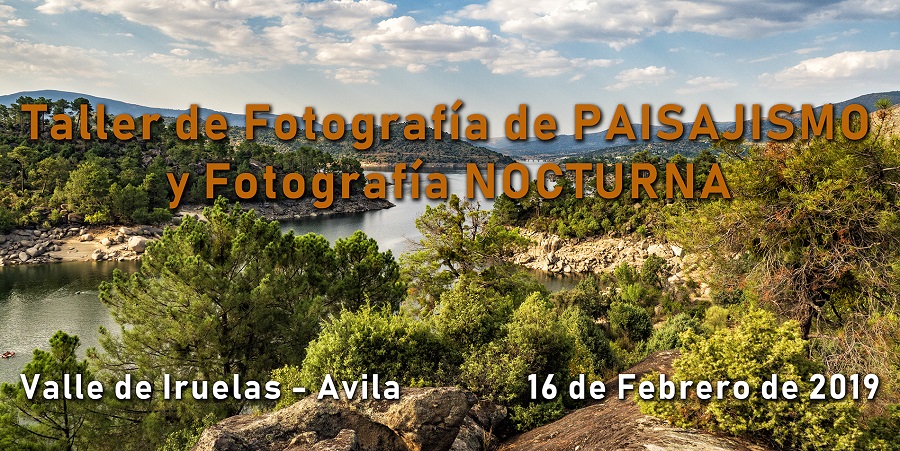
[437,153]
[593,143]
[443,153]
[118,107]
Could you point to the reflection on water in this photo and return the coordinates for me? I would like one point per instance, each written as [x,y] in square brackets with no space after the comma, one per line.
[38,300]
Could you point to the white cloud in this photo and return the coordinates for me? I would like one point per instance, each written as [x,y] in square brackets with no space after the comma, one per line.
[614,23]
[416,68]
[839,67]
[619,24]
[8,17]
[222,26]
[807,50]
[44,61]
[519,57]
[704,84]
[353,75]
[409,41]
[253,35]
[200,66]
[650,75]
[404,42]
[346,14]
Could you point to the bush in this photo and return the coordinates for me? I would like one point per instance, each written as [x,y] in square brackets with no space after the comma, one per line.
[470,314]
[883,432]
[127,203]
[716,318]
[592,353]
[755,350]
[630,321]
[7,220]
[533,415]
[669,335]
[536,342]
[590,296]
[287,376]
[157,216]
[394,346]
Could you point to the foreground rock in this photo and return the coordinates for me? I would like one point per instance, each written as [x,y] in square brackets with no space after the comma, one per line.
[615,424]
[424,419]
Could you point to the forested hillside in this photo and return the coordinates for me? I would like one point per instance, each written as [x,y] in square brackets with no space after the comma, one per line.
[444,153]
[46,182]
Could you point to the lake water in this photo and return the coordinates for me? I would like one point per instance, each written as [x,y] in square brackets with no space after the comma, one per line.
[36,301]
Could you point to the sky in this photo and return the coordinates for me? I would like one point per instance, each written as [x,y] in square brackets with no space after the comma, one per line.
[376,56]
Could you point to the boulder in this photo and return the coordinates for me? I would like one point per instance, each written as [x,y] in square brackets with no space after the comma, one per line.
[428,419]
[86,237]
[98,255]
[423,419]
[23,257]
[75,218]
[478,431]
[137,243]
[105,242]
[35,251]
[659,250]
[677,250]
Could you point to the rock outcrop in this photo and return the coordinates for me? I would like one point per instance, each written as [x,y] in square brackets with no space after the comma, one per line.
[600,254]
[424,419]
[597,255]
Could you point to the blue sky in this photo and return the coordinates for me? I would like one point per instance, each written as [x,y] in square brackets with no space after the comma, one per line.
[403,57]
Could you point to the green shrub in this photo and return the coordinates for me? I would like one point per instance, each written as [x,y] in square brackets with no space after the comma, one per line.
[669,335]
[590,296]
[100,217]
[157,216]
[185,439]
[533,415]
[7,220]
[883,432]
[592,353]
[394,346]
[127,202]
[653,270]
[536,342]
[470,314]
[630,321]
[716,318]
[755,350]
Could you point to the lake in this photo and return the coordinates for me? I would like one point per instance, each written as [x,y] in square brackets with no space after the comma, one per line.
[36,301]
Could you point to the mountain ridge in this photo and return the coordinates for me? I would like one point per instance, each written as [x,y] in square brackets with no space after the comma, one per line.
[114,106]
[566,145]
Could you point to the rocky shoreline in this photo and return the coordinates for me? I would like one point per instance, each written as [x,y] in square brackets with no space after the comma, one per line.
[79,242]
[75,243]
[550,253]
[285,210]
